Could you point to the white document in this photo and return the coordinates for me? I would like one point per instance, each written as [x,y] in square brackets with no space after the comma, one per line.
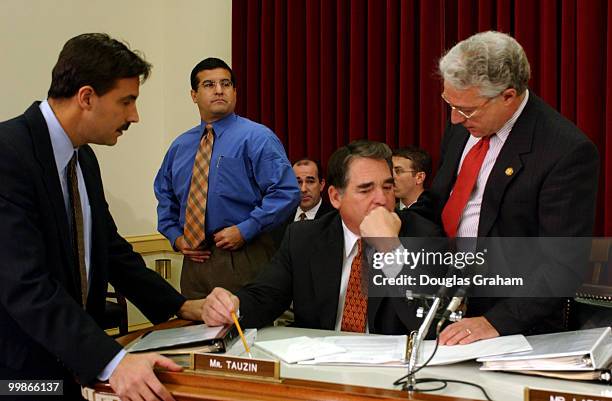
[365,350]
[391,350]
[572,350]
[448,354]
[174,337]
[297,349]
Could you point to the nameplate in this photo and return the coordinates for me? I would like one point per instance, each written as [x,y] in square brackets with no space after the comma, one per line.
[548,395]
[221,364]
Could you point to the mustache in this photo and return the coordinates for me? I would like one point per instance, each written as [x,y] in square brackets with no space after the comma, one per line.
[124,127]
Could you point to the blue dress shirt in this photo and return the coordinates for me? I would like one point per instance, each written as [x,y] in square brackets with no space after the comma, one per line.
[250,182]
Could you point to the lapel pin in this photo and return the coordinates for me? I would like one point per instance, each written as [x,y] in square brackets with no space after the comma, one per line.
[509,171]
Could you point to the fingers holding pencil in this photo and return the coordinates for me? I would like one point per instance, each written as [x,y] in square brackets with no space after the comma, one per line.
[218,307]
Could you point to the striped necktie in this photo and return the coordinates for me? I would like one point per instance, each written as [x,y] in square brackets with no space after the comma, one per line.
[78,238]
[195,214]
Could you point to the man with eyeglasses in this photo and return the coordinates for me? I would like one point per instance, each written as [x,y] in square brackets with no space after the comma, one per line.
[222,186]
[511,166]
[411,167]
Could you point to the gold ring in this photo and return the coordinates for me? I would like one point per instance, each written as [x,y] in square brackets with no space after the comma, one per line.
[468,331]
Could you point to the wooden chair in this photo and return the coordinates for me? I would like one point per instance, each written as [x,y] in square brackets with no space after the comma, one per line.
[115,314]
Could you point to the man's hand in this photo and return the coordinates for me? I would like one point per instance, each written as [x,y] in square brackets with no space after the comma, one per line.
[382,224]
[467,330]
[192,310]
[229,239]
[197,255]
[218,307]
[133,378]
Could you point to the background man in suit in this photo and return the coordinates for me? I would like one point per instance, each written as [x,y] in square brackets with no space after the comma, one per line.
[318,265]
[411,167]
[246,188]
[511,166]
[312,206]
[60,246]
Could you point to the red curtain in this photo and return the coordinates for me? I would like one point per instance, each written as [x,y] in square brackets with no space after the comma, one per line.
[321,73]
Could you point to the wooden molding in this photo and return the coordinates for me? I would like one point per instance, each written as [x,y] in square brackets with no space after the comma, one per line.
[147,244]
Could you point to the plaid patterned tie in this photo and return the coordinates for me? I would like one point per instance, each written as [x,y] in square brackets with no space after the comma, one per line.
[356,302]
[78,238]
[195,213]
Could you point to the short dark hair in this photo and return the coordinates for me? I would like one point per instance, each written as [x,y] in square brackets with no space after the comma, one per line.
[97,60]
[210,63]
[340,160]
[306,160]
[421,160]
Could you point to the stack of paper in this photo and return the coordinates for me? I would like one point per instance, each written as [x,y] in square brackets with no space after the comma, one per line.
[573,350]
[382,350]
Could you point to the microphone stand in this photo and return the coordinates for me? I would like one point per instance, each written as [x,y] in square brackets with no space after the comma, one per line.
[416,341]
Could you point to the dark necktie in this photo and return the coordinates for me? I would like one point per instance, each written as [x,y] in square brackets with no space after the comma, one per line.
[195,213]
[356,301]
[451,215]
[302,216]
[78,238]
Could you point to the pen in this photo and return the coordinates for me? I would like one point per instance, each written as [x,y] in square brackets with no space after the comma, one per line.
[244,342]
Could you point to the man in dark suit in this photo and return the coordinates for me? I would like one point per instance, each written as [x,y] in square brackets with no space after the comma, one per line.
[511,166]
[312,205]
[60,246]
[315,265]
[411,168]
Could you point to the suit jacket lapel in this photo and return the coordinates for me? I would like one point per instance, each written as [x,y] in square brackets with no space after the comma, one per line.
[507,166]
[448,170]
[326,270]
[44,153]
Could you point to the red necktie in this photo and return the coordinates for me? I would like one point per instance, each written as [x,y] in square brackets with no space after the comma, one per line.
[356,302]
[451,215]
[195,212]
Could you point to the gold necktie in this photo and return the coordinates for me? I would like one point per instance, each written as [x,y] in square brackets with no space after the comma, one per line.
[78,238]
[195,214]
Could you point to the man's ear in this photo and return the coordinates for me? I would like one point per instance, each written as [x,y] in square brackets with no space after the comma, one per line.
[335,197]
[193,95]
[322,184]
[85,96]
[420,177]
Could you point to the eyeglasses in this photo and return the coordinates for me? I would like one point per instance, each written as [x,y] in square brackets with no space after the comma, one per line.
[211,85]
[400,171]
[464,113]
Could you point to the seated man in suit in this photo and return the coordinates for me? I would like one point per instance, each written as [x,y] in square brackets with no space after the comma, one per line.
[312,206]
[411,167]
[318,265]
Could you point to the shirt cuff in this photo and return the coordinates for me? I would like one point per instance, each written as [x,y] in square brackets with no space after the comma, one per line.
[110,367]
[391,270]
[248,229]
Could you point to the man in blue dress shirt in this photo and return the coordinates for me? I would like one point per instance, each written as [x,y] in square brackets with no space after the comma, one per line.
[249,188]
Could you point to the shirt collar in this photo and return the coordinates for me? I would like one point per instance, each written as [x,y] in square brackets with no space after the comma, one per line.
[349,240]
[60,142]
[505,130]
[220,125]
[310,214]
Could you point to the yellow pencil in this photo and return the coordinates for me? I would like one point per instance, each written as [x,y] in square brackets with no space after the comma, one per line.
[242,337]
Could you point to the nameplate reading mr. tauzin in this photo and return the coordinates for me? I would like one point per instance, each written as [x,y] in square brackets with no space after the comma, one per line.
[548,395]
[237,366]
